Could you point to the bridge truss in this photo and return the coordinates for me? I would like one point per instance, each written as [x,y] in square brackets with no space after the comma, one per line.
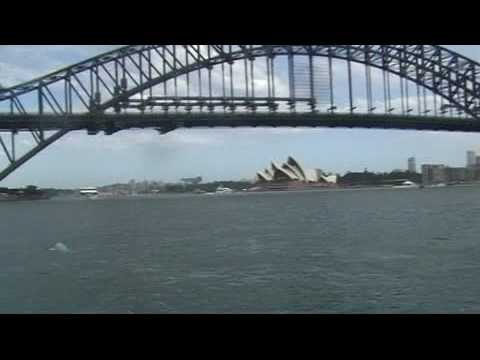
[425,87]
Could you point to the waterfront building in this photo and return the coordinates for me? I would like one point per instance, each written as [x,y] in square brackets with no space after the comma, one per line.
[434,174]
[132,186]
[455,175]
[471,158]
[474,173]
[412,165]
[440,174]
[193,181]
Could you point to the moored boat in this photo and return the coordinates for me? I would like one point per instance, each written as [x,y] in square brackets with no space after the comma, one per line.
[27,194]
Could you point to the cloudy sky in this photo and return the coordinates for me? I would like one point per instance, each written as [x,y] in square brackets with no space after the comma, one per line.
[216,154]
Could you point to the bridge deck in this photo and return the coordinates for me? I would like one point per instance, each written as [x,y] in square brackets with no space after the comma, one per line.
[167,122]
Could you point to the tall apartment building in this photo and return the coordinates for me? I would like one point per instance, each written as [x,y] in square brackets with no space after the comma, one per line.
[412,165]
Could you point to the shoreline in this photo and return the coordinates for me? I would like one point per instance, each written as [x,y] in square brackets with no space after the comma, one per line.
[237,193]
[110,196]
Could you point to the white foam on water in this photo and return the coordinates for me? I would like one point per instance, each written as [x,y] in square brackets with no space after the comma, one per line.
[60,247]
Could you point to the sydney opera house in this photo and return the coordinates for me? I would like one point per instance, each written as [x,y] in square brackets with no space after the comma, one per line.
[291,175]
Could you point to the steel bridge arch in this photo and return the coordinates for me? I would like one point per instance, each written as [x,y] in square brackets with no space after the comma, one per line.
[442,71]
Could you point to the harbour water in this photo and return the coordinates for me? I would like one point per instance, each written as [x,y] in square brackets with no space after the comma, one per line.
[366,251]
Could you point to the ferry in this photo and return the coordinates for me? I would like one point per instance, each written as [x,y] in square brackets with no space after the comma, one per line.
[89,192]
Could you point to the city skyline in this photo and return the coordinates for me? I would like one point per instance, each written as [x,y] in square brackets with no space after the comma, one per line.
[79,160]
[411,167]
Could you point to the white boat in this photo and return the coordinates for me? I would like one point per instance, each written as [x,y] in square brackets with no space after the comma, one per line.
[89,192]
[407,185]
[438,185]
[223,190]
[220,191]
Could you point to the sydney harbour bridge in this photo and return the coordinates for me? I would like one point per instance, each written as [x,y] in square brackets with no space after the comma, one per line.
[166,87]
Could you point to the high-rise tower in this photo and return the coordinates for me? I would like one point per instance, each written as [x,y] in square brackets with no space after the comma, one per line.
[471,159]
[412,165]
